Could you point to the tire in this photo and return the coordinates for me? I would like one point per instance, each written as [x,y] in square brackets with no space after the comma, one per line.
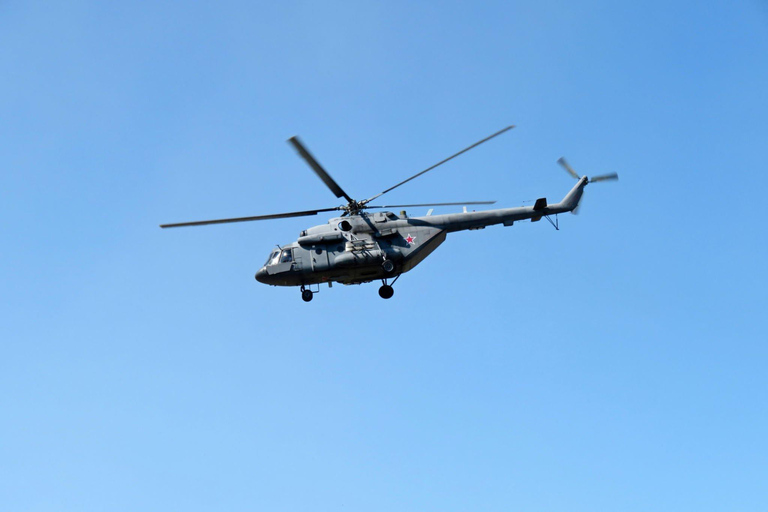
[386,292]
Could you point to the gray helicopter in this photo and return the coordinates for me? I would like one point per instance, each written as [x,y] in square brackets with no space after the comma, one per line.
[360,246]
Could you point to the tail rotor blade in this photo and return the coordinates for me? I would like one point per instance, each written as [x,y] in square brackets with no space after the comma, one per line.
[605,177]
[567,167]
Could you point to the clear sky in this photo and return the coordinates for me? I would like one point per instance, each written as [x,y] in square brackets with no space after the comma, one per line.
[616,364]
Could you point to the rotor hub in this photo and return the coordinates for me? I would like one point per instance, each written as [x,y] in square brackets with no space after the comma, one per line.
[354,207]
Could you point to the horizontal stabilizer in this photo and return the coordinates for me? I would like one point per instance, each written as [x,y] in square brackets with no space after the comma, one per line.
[541,203]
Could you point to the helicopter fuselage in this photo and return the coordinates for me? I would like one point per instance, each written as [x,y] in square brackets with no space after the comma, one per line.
[369,246]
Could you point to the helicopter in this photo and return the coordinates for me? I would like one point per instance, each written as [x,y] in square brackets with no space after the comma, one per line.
[360,246]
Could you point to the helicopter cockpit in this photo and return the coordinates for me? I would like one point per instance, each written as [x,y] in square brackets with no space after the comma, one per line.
[279,256]
[278,262]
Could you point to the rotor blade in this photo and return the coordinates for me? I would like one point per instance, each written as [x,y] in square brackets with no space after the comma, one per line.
[567,167]
[605,177]
[432,204]
[246,219]
[441,162]
[329,182]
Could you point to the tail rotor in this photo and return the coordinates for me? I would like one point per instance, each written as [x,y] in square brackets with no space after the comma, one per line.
[602,177]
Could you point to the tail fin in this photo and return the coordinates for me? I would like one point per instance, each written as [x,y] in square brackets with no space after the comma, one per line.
[571,200]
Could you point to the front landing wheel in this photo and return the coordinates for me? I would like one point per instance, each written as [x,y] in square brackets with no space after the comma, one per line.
[386,292]
[306,295]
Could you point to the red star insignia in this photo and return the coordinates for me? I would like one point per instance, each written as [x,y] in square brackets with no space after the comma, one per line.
[409,239]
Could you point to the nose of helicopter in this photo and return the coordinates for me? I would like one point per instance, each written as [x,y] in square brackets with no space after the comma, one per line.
[261,275]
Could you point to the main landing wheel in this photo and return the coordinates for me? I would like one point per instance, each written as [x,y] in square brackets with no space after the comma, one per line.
[386,292]
[306,295]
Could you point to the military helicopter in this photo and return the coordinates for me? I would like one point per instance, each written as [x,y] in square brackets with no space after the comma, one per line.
[360,246]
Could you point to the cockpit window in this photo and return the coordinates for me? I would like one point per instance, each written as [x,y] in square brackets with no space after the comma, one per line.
[286,256]
[272,258]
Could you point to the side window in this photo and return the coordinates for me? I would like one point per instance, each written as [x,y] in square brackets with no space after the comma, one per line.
[286,256]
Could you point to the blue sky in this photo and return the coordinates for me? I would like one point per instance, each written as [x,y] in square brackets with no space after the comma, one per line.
[616,364]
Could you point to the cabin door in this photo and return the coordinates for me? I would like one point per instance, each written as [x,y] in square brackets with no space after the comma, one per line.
[320,258]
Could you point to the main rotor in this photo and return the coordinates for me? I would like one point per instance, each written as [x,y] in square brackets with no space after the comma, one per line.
[353,206]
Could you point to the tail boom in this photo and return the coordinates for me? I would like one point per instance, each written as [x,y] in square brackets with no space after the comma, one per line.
[452,222]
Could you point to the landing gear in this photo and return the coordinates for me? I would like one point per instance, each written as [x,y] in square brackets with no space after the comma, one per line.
[386,291]
[306,295]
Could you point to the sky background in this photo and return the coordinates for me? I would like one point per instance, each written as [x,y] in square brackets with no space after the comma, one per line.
[616,364]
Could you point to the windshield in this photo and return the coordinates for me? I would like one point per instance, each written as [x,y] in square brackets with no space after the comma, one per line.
[272,258]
